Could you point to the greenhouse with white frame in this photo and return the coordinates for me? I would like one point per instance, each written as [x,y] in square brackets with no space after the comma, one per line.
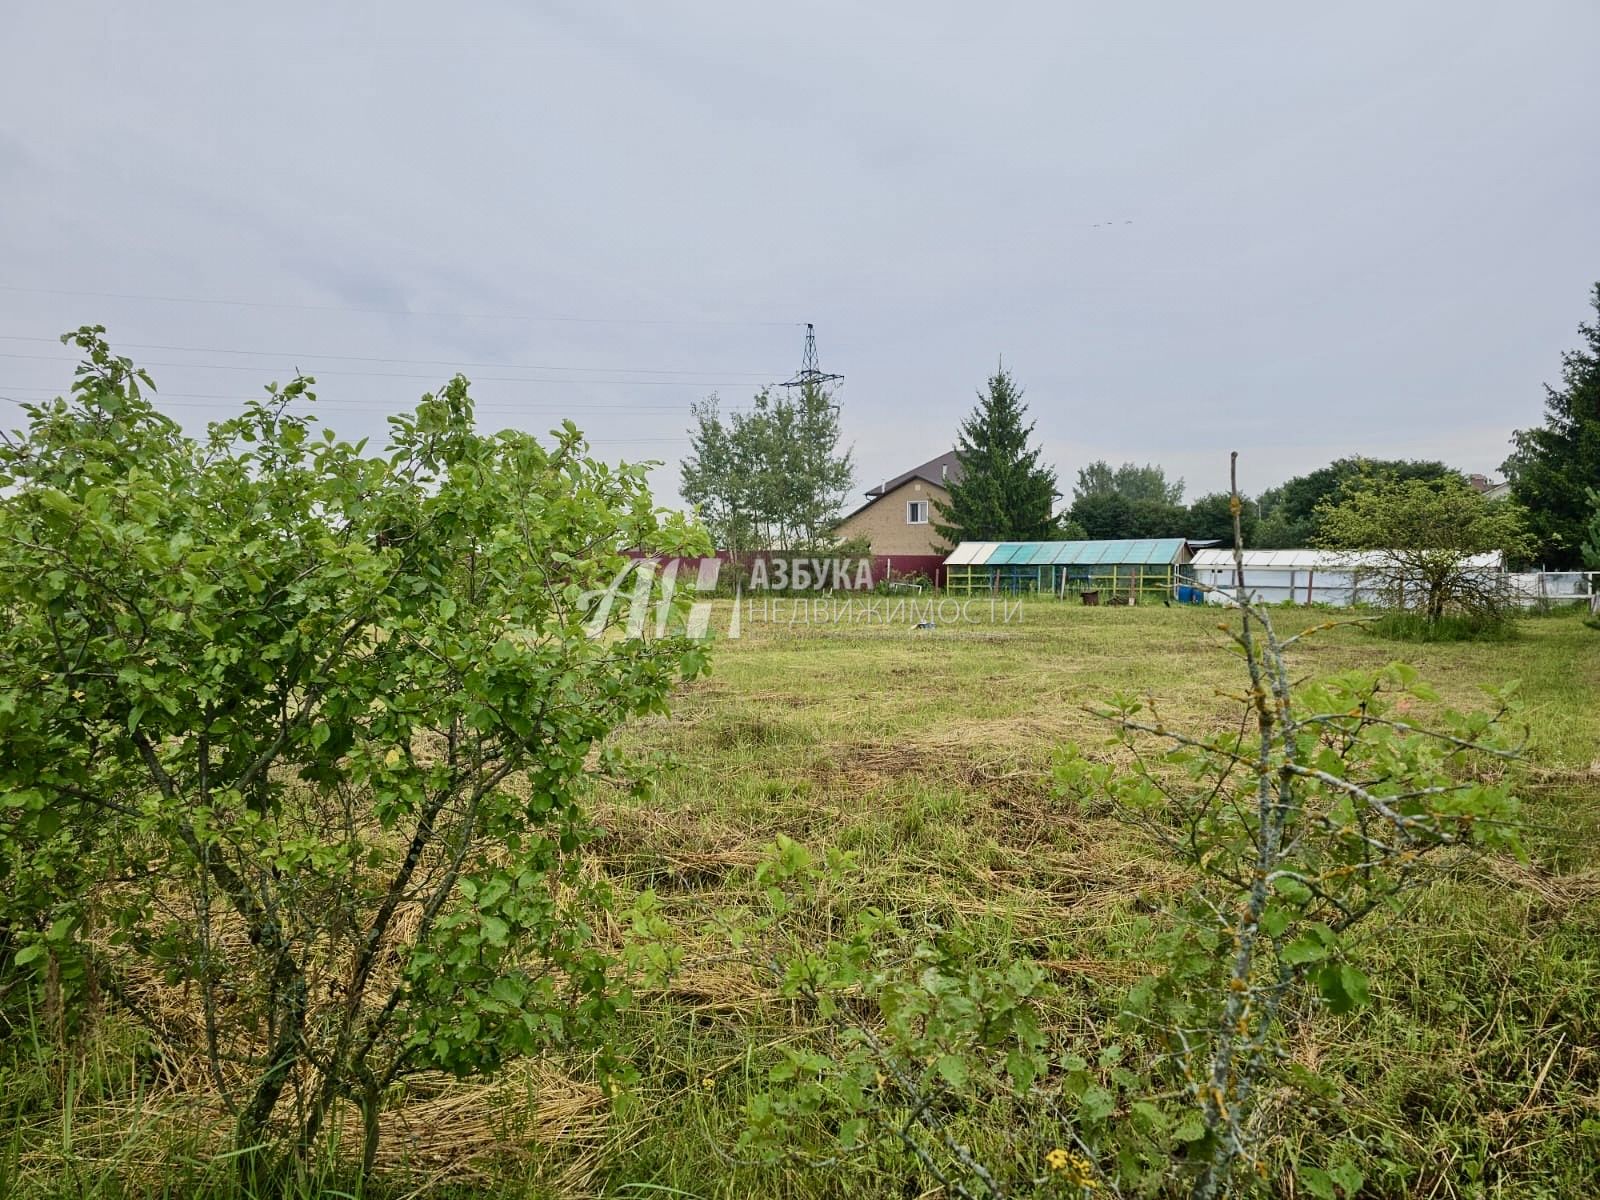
[1337,577]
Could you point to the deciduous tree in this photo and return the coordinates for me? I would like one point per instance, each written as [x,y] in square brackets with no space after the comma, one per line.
[1101,517]
[1288,512]
[1129,501]
[1210,519]
[1425,534]
[1130,481]
[715,477]
[1591,541]
[772,477]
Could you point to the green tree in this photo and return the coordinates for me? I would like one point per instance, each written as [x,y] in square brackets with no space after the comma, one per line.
[1003,494]
[715,477]
[1129,501]
[1275,531]
[1591,542]
[1068,530]
[1210,519]
[1158,519]
[772,477]
[1130,481]
[306,730]
[1104,516]
[1425,534]
[1288,512]
[1553,465]
[1113,515]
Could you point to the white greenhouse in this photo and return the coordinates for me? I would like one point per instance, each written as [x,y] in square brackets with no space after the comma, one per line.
[1307,576]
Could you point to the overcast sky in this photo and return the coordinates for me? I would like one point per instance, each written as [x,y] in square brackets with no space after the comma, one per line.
[1187,228]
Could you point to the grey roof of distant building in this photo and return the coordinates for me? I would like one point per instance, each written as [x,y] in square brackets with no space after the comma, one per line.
[944,470]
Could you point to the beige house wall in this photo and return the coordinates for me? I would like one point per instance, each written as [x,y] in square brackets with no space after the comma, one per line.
[883,522]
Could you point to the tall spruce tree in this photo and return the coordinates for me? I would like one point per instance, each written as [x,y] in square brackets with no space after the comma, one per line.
[1553,467]
[1003,493]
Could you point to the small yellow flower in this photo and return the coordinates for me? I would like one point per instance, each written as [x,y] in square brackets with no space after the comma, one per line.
[1076,1170]
[709,1082]
[392,757]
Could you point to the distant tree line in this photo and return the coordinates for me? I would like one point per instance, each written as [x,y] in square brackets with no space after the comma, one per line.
[1292,514]
[1134,501]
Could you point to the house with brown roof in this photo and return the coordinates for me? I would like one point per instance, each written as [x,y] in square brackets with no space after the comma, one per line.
[897,519]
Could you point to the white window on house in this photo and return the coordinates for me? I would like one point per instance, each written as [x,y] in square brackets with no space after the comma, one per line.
[916,512]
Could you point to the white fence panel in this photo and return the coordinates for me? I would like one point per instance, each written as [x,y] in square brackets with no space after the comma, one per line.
[1554,587]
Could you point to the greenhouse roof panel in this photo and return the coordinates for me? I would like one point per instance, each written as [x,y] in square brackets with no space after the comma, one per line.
[1120,552]
[1009,553]
[968,554]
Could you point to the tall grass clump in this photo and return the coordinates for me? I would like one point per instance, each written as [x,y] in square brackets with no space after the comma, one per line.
[1451,627]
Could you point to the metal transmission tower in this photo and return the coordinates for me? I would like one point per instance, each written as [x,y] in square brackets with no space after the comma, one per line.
[811,375]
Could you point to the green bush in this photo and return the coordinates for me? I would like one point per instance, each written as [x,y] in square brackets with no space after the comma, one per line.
[305,730]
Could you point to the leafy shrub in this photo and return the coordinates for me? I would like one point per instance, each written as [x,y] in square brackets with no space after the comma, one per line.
[305,730]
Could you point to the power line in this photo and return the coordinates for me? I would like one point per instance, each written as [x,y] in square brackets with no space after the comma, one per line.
[636,441]
[394,312]
[375,404]
[415,362]
[260,368]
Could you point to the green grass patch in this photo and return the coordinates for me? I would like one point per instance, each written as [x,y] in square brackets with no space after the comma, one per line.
[1451,627]
[1475,1072]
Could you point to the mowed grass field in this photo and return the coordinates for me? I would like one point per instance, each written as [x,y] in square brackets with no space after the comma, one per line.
[1475,1072]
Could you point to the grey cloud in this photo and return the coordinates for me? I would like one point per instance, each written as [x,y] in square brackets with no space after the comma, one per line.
[1367,229]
